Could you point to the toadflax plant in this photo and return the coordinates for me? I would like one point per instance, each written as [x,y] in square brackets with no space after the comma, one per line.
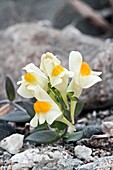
[56,98]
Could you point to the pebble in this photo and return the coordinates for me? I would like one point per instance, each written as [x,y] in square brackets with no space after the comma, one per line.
[107,127]
[13,143]
[82,152]
[91,130]
[104,163]
[42,157]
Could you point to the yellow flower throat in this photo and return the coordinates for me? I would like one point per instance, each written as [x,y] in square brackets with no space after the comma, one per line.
[42,107]
[57,70]
[30,78]
[85,69]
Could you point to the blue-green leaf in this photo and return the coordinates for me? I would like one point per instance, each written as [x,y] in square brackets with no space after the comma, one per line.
[16,116]
[73,137]
[79,108]
[43,137]
[28,106]
[10,90]
[58,125]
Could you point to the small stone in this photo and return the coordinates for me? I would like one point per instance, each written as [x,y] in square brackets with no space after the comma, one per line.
[28,158]
[13,143]
[82,152]
[88,166]
[107,127]
[6,156]
[55,155]
[94,114]
[104,163]
[91,130]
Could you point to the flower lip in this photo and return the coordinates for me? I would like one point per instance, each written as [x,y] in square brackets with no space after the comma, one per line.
[30,78]
[85,69]
[42,107]
[57,70]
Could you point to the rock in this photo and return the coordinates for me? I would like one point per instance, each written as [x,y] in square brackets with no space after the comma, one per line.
[88,166]
[70,13]
[13,143]
[27,159]
[45,157]
[5,129]
[107,127]
[13,12]
[91,130]
[24,43]
[104,163]
[67,164]
[82,152]
[98,141]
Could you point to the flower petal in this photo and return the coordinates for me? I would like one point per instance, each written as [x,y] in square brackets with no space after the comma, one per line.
[47,60]
[24,92]
[88,81]
[75,61]
[73,87]
[41,118]
[33,69]
[98,73]
[52,115]
[34,121]
[55,81]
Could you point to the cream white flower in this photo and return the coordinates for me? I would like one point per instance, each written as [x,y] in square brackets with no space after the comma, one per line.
[57,74]
[83,78]
[32,77]
[46,109]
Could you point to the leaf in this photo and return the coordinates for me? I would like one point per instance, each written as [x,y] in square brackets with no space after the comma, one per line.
[43,137]
[73,137]
[10,90]
[79,108]
[40,127]
[28,106]
[17,116]
[58,125]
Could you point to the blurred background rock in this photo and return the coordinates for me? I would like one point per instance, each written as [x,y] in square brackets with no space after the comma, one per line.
[60,13]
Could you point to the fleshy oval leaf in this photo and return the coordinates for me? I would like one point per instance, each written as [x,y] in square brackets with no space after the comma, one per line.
[73,137]
[10,90]
[79,108]
[43,137]
[16,116]
[28,106]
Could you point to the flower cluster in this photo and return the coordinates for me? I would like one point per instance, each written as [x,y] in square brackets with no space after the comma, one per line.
[50,86]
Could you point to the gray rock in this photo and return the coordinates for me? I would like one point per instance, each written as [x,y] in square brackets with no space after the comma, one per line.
[44,158]
[13,12]
[25,43]
[104,163]
[88,166]
[6,129]
[82,152]
[107,127]
[92,130]
[13,143]
[62,164]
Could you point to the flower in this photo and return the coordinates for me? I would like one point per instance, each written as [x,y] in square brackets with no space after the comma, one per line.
[83,78]
[57,74]
[29,80]
[46,109]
